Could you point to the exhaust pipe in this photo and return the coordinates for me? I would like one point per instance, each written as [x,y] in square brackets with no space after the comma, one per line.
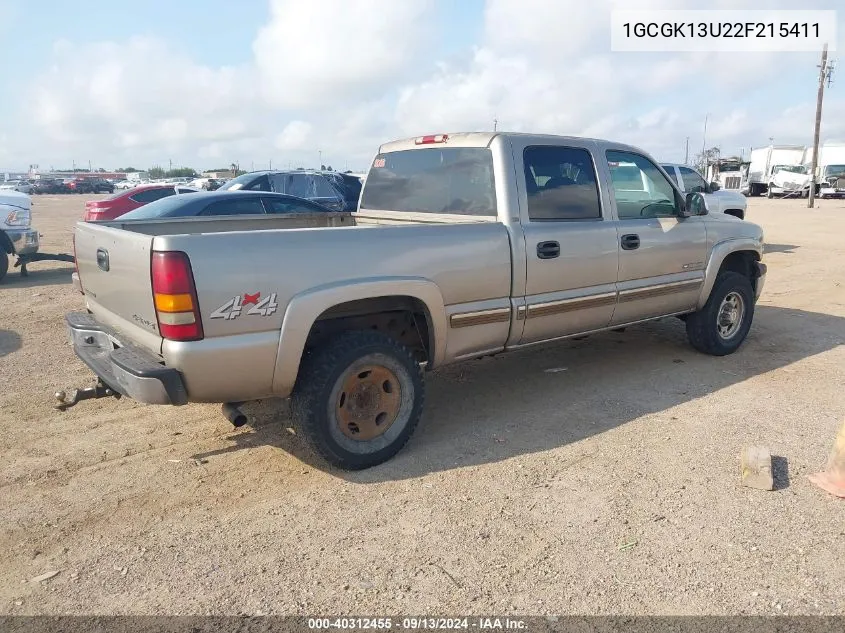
[234,414]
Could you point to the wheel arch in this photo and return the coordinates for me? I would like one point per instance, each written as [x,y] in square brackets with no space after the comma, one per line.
[347,305]
[738,255]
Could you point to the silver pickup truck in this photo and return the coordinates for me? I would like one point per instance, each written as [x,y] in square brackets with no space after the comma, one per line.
[463,245]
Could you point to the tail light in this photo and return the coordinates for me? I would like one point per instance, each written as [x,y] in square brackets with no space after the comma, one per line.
[175,296]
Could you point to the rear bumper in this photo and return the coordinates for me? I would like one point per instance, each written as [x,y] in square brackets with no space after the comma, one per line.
[129,370]
[24,241]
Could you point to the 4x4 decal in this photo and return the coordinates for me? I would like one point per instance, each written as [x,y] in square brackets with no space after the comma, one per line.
[235,306]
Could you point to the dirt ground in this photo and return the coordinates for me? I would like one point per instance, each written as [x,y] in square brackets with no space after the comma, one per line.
[608,486]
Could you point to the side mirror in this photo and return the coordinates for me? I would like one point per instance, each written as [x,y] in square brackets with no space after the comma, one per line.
[714,186]
[695,204]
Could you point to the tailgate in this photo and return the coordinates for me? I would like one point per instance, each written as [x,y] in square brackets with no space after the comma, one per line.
[114,269]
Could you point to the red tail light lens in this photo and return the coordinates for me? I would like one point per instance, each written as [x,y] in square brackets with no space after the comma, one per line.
[175,296]
[432,138]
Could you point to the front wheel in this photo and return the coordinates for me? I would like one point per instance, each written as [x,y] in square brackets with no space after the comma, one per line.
[721,326]
[358,399]
[769,193]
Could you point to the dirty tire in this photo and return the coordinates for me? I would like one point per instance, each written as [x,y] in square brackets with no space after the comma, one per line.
[703,326]
[4,264]
[327,370]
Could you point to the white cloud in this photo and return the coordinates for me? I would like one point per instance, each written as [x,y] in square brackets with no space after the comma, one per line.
[340,77]
[294,136]
[320,51]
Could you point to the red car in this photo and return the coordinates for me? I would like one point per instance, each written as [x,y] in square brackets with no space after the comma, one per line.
[125,201]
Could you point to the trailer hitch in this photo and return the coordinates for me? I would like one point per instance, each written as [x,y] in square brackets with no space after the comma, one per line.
[23,260]
[100,390]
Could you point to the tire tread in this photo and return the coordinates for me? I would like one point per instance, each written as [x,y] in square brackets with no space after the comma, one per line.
[312,381]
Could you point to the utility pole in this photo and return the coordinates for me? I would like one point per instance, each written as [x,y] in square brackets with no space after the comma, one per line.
[704,137]
[170,164]
[319,151]
[686,153]
[825,73]
[495,124]
[271,164]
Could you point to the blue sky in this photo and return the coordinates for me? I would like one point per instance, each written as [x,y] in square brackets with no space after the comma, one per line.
[206,83]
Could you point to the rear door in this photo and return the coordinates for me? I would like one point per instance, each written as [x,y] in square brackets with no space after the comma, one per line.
[571,244]
[114,269]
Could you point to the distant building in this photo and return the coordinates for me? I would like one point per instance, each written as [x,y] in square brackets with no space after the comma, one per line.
[221,175]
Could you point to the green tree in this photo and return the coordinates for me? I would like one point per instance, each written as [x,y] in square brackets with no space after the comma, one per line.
[156,172]
[181,172]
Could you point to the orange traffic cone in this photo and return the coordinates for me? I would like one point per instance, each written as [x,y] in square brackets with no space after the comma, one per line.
[832,479]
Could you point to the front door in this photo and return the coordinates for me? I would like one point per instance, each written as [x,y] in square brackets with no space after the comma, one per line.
[571,245]
[661,254]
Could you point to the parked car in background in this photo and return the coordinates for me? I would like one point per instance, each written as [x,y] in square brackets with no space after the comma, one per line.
[224,203]
[90,185]
[718,200]
[101,185]
[206,184]
[49,185]
[126,201]
[338,192]
[22,186]
[17,237]
[125,184]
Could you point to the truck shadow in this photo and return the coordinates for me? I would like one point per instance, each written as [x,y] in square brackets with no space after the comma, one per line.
[10,341]
[768,249]
[36,277]
[534,400]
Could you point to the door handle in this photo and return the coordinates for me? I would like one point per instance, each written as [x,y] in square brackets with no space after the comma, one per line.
[630,242]
[548,250]
[103,259]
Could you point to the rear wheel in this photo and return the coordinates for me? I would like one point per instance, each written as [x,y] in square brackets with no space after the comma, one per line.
[358,399]
[721,326]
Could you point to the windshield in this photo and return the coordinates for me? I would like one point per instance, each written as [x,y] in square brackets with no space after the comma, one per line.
[166,207]
[795,169]
[455,180]
[832,170]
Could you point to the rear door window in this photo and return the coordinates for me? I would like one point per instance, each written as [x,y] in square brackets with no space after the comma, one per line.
[300,185]
[560,184]
[693,182]
[455,180]
[250,206]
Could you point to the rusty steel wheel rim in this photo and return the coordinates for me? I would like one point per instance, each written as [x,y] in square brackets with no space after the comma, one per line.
[368,402]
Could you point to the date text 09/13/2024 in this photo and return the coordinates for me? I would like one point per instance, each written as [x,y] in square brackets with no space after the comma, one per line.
[417,623]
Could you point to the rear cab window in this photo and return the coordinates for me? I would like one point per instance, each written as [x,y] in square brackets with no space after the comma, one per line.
[441,180]
[561,184]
